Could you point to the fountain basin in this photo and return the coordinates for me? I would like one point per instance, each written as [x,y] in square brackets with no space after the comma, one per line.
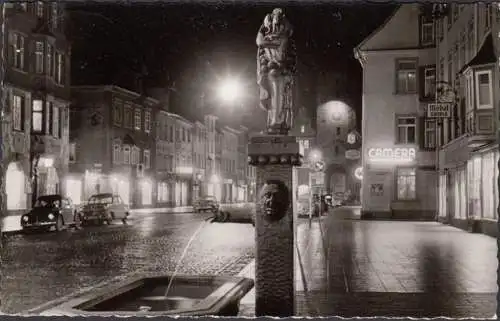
[144,295]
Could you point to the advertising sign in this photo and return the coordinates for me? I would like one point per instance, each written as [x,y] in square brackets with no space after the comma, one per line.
[318,179]
[352,154]
[440,110]
[392,154]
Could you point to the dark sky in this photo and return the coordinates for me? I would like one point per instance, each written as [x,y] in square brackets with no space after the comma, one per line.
[190,46]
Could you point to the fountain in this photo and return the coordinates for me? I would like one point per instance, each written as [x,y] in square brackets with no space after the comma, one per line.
[148,294]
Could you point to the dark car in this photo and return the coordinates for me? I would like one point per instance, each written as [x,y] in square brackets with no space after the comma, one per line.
[206,203]
[104,207]
[50,211]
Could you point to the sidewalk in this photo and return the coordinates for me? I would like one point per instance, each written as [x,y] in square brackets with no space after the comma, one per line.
[350,268]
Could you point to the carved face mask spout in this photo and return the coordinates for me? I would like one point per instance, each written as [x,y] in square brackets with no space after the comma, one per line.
[274,200]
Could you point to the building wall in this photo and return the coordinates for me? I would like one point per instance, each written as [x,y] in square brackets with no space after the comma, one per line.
[385,191]
[183,161]
[26,83]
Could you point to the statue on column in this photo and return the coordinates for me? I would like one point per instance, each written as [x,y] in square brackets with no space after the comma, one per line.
[276,66]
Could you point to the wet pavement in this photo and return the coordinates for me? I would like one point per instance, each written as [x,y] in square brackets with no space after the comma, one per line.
[41,267]
[350,267]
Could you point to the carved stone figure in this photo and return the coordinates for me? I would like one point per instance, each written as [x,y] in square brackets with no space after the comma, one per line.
[274,200]
[276,63]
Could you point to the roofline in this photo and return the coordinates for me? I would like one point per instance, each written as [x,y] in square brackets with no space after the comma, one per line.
[382,26]
[179,117]
[113,88]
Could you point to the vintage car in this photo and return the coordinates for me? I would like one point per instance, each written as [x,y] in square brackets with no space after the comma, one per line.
[102,208]
[206,203]
[50,211]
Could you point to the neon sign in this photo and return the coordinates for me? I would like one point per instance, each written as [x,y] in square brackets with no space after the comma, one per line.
[398,154]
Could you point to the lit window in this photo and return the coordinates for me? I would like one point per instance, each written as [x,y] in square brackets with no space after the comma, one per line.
[429,82]
[406,181]
[37,116]
[126,154]
[137,119]
[17,46]
[484,90]
[39,48]
[147,158]
[406,130]
[18,112]
[406,77]
[135,159]
[430,133]
[72,152]
[147,121]
[302,129]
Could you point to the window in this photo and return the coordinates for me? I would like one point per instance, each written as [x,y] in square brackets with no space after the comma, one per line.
[406,130]
[469,93]
[430,133]
[72,152]
[59,68]
[117,112]
[406,76]
[177,135]
[17,46]
[484,90]
[188,135]
[39,48]
[50,67]
[117,152]
[17,112]
[429,82]
[49,123]
[127,116]
[39,9]
[426,32]
[37,116]
[406,183]
[450,67]
[147,121]
[183,134]
[147,158]
[336,153]
[171,134]
[54,15]
[137,119]
[55,121]
[126,154]
[487,16]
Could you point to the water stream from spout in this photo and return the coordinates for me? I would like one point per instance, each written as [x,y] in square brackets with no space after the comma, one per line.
[172,277]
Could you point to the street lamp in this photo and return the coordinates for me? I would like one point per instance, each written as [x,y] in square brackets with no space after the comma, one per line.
[229,90]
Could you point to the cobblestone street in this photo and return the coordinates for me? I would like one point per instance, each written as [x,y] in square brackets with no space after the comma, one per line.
[41,267]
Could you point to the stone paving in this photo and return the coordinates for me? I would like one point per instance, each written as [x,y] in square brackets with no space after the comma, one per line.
[386,268]
[41,267]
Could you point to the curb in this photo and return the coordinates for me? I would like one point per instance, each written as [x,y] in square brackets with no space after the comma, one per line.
[247,303]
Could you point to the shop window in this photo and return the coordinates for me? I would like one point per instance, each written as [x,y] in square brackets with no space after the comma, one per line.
[406,184]
[488,189]
[406,130]
[484,90]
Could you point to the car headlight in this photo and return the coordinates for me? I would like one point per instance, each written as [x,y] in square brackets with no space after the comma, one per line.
[25,218]
[51,216]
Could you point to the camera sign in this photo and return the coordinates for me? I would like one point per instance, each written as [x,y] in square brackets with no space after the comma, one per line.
[441,110]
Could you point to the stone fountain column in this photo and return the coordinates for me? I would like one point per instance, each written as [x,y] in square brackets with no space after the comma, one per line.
[275,158]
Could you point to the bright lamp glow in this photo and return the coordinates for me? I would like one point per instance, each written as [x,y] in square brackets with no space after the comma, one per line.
[214,179]
[229,90]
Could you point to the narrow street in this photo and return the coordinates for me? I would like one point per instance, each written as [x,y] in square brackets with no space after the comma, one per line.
[41,267]
[355,267]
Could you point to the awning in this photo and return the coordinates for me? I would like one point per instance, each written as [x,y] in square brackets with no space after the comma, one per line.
[486,54]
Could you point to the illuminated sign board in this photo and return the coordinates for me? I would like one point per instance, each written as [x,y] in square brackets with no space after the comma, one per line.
[358,173]
[392,155]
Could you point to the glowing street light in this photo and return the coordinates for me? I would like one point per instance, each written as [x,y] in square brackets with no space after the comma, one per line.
[229,90]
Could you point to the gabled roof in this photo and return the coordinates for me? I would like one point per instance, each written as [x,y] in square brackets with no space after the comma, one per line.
[485,55]
[376,31]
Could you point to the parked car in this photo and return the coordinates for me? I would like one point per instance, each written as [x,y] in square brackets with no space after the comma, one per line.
[206,203]
[104,207]
[50,211]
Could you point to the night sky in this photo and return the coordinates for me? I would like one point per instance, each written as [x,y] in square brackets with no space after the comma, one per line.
[187,47]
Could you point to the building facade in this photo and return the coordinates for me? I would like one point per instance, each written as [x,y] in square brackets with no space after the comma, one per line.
[200,138]
[164,156]
[398,154]
[111,143]
[467,69]
[37,90]
[229,161]
[183,161]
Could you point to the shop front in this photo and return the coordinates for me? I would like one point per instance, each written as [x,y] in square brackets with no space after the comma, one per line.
[399,183]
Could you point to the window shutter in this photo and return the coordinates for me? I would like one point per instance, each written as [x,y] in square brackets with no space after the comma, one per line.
[421,132]
[421,82]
